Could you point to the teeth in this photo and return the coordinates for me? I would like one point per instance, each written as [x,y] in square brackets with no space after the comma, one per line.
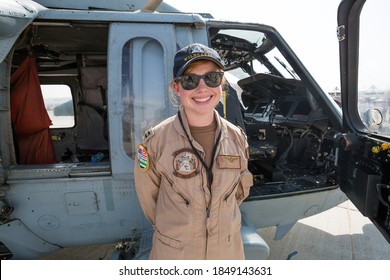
[202,99]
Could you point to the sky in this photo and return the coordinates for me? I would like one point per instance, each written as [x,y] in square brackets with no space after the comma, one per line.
[308,26]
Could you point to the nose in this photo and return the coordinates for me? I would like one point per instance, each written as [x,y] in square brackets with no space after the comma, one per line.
[202,84]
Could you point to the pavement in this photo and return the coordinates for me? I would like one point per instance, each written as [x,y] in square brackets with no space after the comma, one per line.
[341,233]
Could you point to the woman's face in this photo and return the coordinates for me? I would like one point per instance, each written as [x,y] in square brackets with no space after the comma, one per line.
[203,99]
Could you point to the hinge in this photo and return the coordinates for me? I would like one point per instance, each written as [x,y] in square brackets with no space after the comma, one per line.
[341,32]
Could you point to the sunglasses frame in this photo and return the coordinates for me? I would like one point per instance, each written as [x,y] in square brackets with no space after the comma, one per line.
[198,78]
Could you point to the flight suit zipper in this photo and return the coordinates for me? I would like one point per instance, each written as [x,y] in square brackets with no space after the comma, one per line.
[178,192]
[230,192]
[186,201]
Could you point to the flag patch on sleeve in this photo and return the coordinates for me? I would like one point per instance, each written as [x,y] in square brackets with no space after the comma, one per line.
[142,158]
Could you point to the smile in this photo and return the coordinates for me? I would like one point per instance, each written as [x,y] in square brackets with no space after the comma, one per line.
[202,99]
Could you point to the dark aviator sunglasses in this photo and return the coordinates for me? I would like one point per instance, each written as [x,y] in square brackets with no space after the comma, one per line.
[211,79]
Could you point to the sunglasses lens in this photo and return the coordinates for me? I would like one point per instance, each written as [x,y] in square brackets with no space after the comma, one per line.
[213,79]
[190,82]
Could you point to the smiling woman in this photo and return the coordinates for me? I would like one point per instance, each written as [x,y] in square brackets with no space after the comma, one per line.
[195,160]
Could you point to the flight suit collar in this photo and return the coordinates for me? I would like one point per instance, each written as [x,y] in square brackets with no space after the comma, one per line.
[179,128]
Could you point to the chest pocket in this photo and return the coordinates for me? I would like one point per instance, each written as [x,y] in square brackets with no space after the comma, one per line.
[175,212]
[229,169]
[169,187]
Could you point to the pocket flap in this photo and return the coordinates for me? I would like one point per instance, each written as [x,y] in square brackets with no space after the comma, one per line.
[168,241]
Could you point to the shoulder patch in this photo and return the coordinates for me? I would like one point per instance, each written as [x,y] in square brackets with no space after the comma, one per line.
[148,134]
[142,158]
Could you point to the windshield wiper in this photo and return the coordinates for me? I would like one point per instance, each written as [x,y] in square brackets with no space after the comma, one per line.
[290,71]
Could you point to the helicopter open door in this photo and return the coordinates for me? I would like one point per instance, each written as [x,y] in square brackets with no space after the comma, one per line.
[364,146]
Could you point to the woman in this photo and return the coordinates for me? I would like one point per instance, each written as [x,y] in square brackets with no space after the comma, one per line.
[191,173]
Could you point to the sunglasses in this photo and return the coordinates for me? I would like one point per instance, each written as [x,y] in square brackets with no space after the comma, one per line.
[189,82]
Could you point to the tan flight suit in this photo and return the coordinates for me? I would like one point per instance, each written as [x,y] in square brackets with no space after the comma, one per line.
[189,221]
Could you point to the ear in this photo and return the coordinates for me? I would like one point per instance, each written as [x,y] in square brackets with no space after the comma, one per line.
[176,87]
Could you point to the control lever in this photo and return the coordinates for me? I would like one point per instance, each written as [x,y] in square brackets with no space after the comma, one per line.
[338,142]
[346,141]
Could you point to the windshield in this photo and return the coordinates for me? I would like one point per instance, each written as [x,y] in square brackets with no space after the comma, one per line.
[257,68]
[248,52]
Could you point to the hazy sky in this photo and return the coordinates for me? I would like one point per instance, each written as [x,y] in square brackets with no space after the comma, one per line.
[308,26]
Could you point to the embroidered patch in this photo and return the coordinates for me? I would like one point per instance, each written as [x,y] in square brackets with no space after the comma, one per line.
[185,164]
[229,161]
[142,158]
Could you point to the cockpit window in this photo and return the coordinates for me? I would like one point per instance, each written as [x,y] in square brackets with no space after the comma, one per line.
[374,83]
[267,86]
[247,52]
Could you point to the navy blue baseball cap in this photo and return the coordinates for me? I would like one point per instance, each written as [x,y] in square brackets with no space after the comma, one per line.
[191,53]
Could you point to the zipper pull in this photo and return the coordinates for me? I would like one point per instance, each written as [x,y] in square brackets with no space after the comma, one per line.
[208,212]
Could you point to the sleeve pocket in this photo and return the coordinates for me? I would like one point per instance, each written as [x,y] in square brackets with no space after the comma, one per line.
[246,181]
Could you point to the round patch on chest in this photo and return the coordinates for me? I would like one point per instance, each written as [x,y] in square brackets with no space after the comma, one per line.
[185,163]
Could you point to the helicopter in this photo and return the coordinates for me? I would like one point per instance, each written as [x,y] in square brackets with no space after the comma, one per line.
[81,82]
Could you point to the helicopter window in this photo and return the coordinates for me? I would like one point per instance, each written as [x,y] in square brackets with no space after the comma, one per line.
[143,89]
[374,86]
[59,105]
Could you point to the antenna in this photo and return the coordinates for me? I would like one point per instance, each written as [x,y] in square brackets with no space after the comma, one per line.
[151,6]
